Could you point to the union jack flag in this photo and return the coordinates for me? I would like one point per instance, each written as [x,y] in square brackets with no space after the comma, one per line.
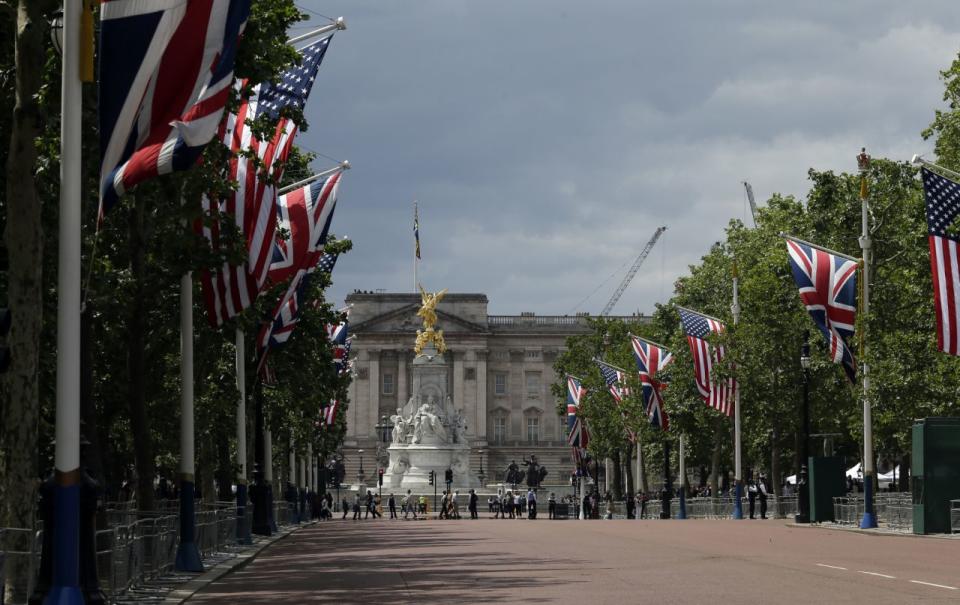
[616,381]
[338,334]
[328,413]
[166,69]
[578,436]
[233,288]
[651,359]
[286,314]
[828,288]
[720,396]
[305,214]
[943,204]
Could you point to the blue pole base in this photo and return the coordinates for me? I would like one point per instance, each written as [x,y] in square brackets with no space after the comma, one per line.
[738,500]
[65,588]
[188,555]
[243,528]
[682,513]
[869,520]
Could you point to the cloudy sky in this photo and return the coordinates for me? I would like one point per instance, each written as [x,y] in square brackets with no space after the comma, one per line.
[546,139]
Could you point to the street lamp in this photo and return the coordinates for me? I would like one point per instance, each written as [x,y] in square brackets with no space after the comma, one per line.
[803,489]
[360,474]
[481,474]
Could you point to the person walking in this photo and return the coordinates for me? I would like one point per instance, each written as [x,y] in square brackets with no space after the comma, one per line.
[443,506]
[586,506]
[392,504]
[472,505]
[629,504]
[346,507]
[762,493]
[531,504]
[752,495]
[518,505]
[552,506]
[356,508]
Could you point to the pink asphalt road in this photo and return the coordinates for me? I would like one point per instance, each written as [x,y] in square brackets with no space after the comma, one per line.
[592,562]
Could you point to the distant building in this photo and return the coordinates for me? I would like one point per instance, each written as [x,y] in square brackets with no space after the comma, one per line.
[502,372]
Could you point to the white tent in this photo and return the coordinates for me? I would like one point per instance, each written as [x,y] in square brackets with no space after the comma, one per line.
[854,473]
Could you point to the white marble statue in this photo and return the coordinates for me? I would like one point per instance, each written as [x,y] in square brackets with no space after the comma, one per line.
[428,422]
[459,426]
[399,426]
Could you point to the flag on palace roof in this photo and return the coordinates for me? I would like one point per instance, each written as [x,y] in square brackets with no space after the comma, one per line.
[828,288]
[233,288]
[166,71]
[943,205]
[698,327]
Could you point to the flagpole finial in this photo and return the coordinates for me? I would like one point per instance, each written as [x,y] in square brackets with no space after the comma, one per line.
[916,159]
[863,160]
[345,165]
[340,23]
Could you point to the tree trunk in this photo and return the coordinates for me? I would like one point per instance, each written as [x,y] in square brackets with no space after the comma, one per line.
[92,458]
[19,408]
[775,460]
[136,328]
[224,468]
[644,482]
[715,460]
[617,475]
[903,475]
[628,465]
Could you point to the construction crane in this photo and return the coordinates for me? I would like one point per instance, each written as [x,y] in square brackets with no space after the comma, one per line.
[632,272]
[753,204]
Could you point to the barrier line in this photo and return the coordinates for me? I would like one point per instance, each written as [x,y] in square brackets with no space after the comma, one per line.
[831,566]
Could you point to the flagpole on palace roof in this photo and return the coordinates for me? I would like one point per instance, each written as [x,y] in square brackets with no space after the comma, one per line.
[416,251]
[344,165]
[337,25]
[65,584]
[869,518]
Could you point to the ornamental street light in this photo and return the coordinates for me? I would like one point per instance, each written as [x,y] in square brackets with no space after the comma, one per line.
[360,474]
[481,474]
[803,488]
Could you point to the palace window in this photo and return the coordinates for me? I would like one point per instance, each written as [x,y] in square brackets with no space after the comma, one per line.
[533,430]
[387,383]
[500,384]
[500,429]
[533,384]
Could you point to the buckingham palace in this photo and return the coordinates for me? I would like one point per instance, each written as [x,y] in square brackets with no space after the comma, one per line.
[502,369]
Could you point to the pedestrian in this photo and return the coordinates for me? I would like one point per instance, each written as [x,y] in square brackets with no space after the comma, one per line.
[324,511]
[443,506]
[356,508]
[454,509]
[762,494]
[423,505]
[392,503]
[517,505]
[531,504]
[346,507]
[644,498]
[369,506]
[472,505]
[751,495]
[377,507]
[586,506]
[629,503]
[552,506]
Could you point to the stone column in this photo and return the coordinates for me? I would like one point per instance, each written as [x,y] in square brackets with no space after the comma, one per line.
[458,398]
[480,422]
[370,415]
[402,395]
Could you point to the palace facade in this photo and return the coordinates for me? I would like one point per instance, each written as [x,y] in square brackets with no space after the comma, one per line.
[502,369]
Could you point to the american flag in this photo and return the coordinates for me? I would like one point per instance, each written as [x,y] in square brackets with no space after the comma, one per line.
[828,288]
[285,315]
[165,76]
[616,381]
[578,436]
[697,327]
[328,413]
[943,205]
[305,214]
[651,359]
[233,288]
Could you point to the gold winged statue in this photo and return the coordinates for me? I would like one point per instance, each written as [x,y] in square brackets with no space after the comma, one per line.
[428,311]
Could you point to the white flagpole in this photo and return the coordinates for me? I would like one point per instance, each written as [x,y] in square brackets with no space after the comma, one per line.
[738,468]
[869,517]
[65,585]
[188,555]
[344,165]
[338,25]
[416,260]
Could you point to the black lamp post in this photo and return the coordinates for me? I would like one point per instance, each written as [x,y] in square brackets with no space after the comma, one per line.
[803,488]
[667,492]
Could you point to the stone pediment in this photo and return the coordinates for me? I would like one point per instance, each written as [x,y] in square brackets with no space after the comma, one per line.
[404,320]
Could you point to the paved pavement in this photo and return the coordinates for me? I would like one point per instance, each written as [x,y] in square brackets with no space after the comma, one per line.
[595,562]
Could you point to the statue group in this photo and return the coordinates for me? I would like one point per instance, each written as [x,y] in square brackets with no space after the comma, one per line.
[534,473]
[429,424]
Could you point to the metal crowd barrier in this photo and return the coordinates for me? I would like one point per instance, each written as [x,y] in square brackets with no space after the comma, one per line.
[955,516]
[136,546]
